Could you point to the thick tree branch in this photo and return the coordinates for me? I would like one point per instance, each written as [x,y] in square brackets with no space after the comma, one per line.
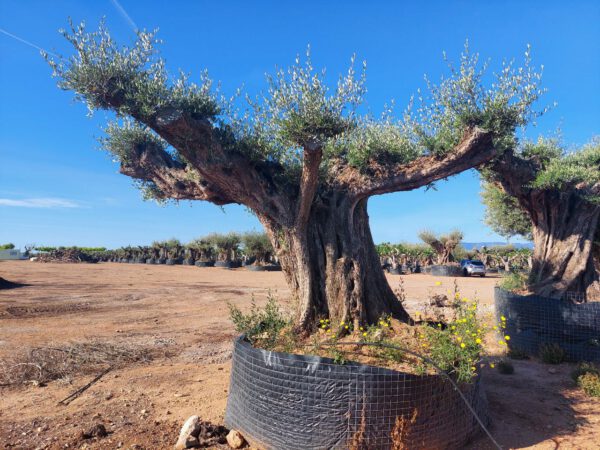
[231,173]
[475,149]
[309,182]
[515,174]
[172,178]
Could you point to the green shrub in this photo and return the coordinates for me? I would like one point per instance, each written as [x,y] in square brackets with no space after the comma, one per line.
[590,383]
[262,326]
[582,369]
[552,354]
[505,367]
[458,347]
[514,282]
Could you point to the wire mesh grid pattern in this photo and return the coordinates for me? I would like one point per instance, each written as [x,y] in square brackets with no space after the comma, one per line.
[579,297]
[533,321]
[283,401]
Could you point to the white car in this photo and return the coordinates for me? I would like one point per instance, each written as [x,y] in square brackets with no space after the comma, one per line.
[472,267]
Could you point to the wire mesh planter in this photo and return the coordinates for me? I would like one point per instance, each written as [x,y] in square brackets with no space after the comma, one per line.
[533,321]
[284,401]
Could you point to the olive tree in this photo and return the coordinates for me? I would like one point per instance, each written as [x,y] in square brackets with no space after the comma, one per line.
[300,156]
[258,246]
[203,248]
[226,245]
[558,194]
[443,245]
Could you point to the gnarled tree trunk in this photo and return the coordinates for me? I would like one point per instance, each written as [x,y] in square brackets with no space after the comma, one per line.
[332,266]
[565,257]
[565,229]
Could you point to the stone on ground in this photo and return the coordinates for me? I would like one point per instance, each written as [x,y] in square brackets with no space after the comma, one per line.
[235,439]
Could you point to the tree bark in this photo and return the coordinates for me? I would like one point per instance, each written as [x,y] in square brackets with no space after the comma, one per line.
[565,257]
[333,268]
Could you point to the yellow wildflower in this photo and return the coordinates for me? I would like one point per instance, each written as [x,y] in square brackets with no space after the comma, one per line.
[438,283]
[507,338]
[462,345]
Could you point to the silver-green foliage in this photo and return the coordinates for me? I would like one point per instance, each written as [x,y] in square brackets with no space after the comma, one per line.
[503,213]
[299,109]
[560,169]
[131,80]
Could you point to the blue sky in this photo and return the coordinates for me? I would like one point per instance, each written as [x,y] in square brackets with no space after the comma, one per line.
[58,188]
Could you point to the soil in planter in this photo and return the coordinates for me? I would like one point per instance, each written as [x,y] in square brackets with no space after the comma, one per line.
[454,346]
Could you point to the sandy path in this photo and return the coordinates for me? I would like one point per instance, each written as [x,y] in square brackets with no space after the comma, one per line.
[185,310]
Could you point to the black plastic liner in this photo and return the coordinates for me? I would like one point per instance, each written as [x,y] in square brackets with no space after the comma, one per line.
[205,263]
[444,271]
[283,401]
[228,264]
[532,321]
[174,261]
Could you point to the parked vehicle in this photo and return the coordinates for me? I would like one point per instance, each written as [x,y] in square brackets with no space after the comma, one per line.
[472,267]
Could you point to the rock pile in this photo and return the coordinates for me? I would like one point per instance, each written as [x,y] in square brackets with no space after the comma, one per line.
[196,433]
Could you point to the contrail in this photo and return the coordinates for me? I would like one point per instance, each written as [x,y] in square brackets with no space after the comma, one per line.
[27,42]
[126,16]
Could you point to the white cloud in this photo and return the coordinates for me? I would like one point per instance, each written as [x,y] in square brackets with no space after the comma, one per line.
[44,202]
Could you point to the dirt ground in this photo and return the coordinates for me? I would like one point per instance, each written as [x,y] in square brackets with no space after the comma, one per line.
[183,312]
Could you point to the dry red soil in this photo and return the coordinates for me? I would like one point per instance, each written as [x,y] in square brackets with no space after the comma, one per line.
[183,311]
